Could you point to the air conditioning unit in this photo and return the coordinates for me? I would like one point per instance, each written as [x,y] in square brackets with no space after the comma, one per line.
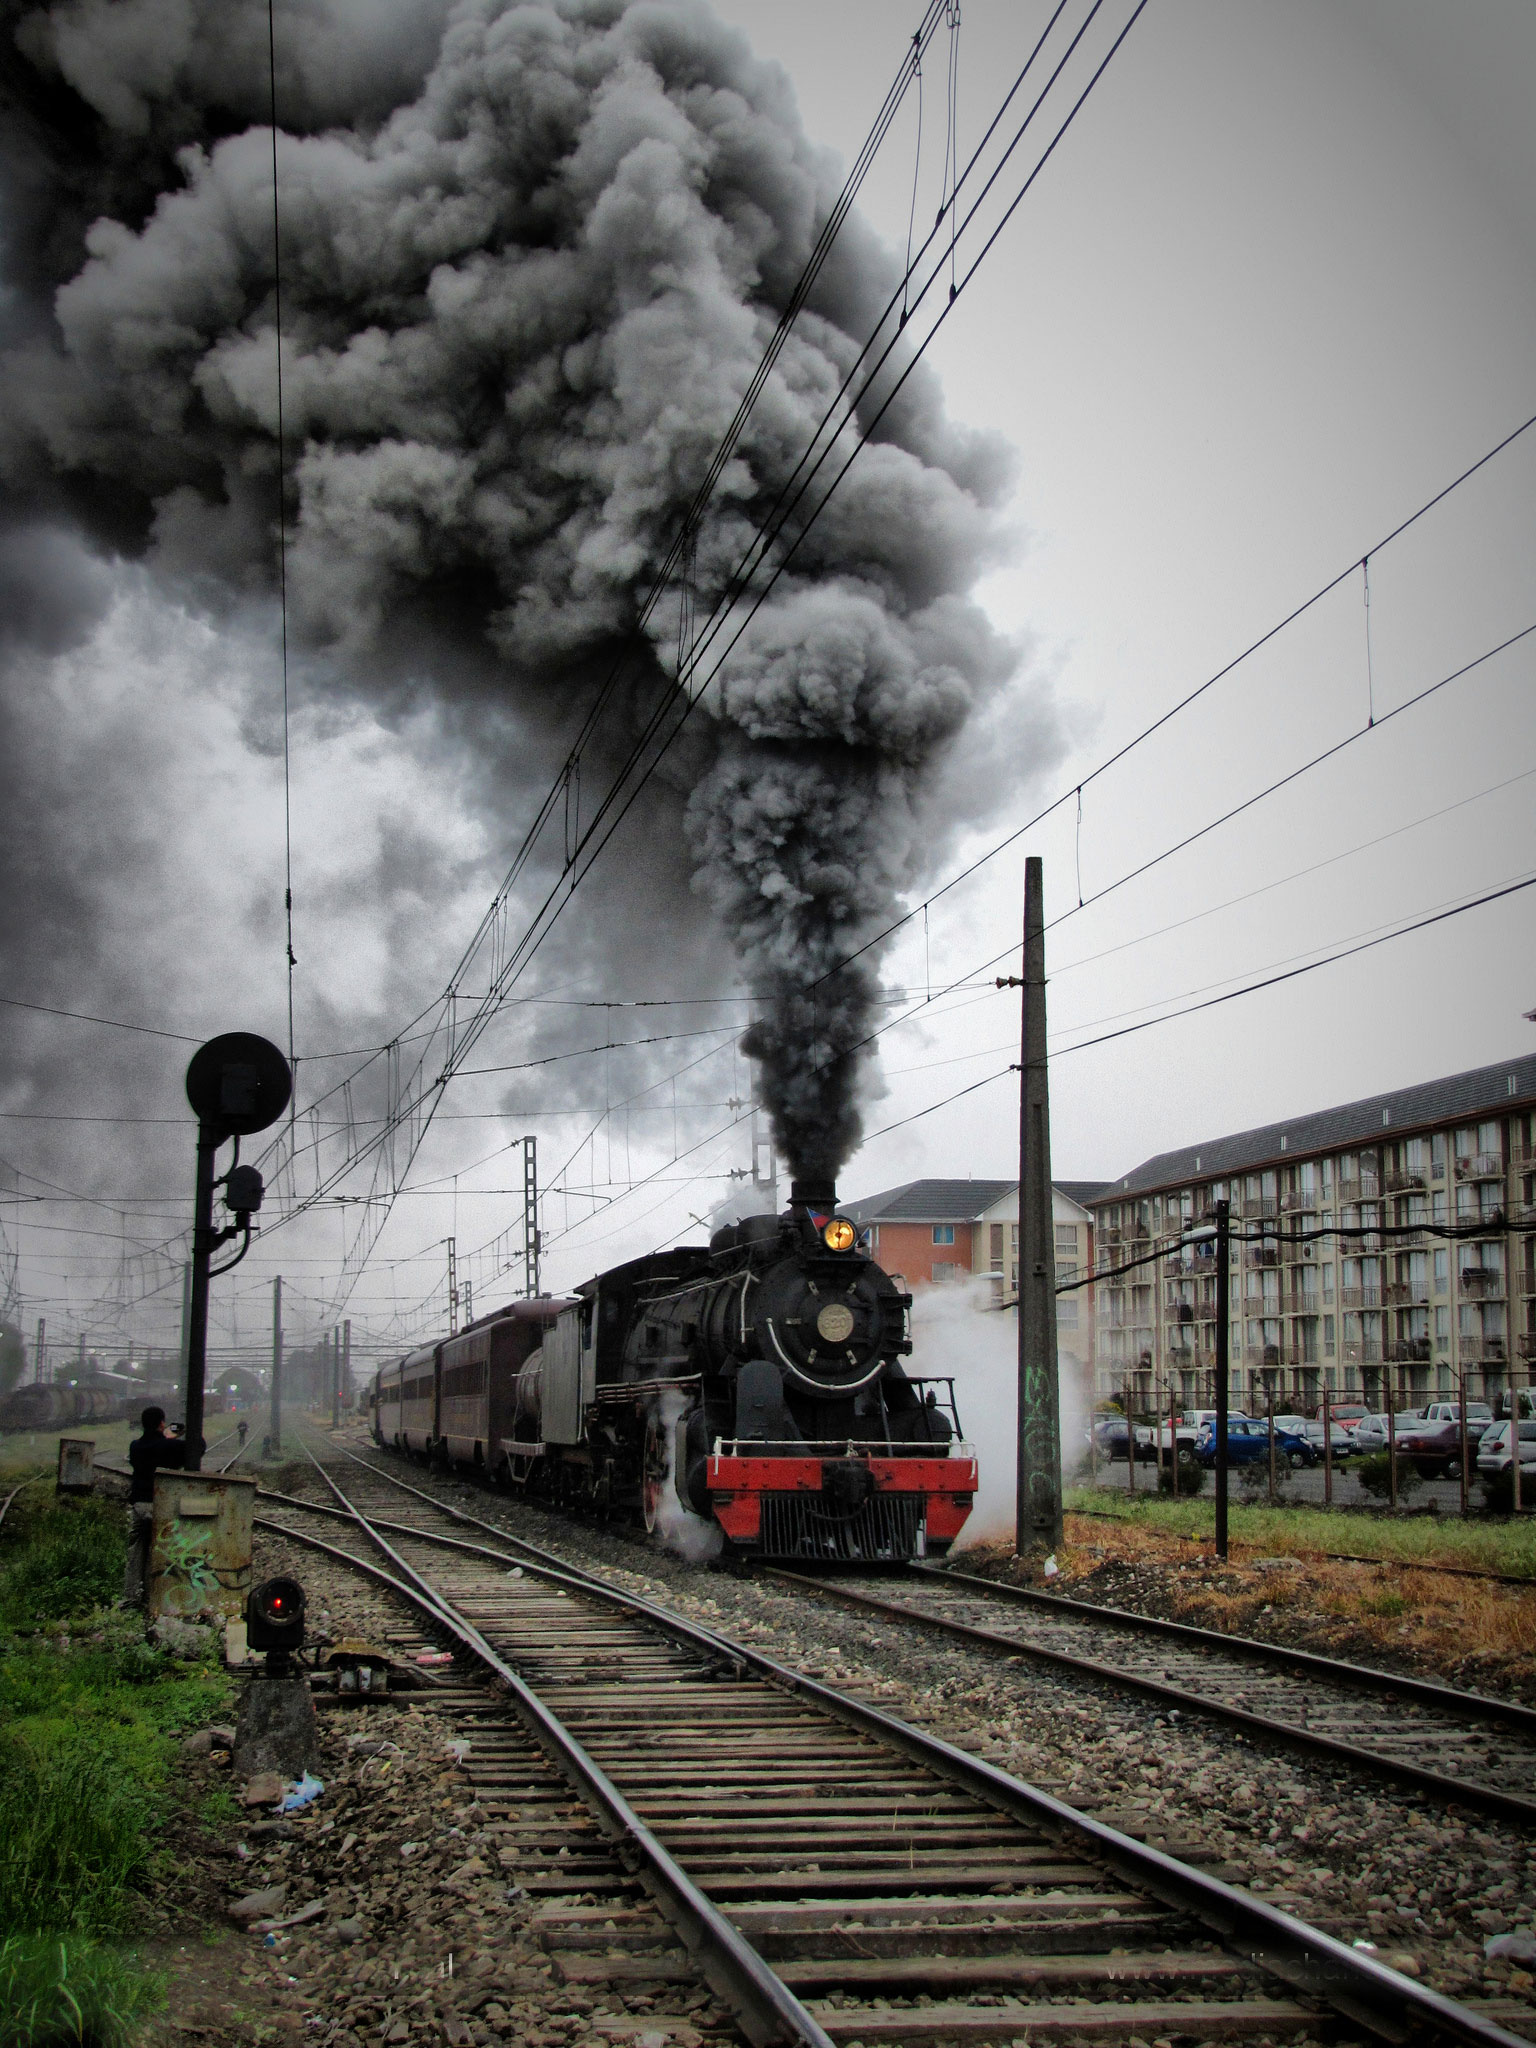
[1309,1251]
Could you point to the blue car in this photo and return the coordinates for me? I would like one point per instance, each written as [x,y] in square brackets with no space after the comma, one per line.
[1248,1444]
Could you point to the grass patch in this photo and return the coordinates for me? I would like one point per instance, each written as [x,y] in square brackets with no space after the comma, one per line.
[1310,1532]
[62,1559]
[55,1992]
[88,1710]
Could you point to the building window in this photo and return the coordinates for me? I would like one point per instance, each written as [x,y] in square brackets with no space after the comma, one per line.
[995,1235]
[1066,1240]
[874,1237]
[1442,1270]
[946,1270]
[943,1233]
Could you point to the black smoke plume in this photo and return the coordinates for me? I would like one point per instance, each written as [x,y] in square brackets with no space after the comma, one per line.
[531,253]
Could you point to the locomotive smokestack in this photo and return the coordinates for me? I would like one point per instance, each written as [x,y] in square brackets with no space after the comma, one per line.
[819,1196]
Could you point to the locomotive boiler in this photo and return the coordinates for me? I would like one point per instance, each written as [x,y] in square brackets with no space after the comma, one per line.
[760,1377]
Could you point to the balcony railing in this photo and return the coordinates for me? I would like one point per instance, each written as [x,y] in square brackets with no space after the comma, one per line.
[1298,1198]
[1360,1297]
[1404,1180]
[1366,1189]
[1522,1157]
[1527,1344]
[1482,1281]
[1410,1351]
[1362,1351]
[1487,1350]
[1294,1304]
[1259,1206]
[1480,1166]
[1407,1293]
[1261,1255]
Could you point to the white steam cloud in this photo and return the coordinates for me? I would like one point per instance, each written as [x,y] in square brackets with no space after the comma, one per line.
[956,1331]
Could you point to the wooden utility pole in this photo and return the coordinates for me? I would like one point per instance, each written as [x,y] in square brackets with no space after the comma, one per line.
[1038,1510]
[276,1424]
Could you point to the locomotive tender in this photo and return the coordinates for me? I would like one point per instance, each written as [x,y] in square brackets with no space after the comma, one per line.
[761,1375]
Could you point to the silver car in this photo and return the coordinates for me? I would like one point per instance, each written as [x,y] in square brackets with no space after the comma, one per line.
[1493,1451]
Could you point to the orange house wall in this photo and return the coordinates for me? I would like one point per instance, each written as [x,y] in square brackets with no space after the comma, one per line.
[909,1249]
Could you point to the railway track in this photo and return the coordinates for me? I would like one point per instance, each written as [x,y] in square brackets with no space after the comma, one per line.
[1455,1747]
[836,1875]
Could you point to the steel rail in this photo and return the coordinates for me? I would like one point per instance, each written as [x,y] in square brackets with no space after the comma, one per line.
[768,2010]
[1473,1706]
[1390,2005]
[1394,1770]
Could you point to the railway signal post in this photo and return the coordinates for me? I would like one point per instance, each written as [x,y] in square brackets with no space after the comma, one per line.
[236,1084]
[1038,1523]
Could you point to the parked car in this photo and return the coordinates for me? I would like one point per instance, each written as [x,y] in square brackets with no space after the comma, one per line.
[1112,1434]
[1185,1434]
[1433,1445]
[1342,1441]
[1493,1451]
[1371,1433]
[1348,1414]
[1248,1444]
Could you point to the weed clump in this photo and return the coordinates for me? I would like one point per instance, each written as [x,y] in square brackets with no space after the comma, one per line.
[1374,1471]
[55,1992]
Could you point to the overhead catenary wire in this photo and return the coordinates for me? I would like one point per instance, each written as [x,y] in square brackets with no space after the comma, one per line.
[1192,696]
[1214,824]
[1212,1002]
[419,1108]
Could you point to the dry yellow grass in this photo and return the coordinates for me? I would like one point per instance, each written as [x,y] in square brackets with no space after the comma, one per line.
[1474,1632]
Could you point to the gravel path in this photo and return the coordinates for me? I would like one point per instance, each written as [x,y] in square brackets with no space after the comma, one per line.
[1427,1888]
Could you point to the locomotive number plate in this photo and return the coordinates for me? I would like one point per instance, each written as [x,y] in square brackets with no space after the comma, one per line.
[834,1325]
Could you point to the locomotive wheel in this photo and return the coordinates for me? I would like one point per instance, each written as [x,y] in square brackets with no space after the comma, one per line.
[653,1472]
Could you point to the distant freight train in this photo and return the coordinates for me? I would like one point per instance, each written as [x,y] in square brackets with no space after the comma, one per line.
[105,1397]
[760,1375]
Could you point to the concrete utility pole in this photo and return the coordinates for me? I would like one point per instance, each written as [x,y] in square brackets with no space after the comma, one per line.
[1038,1522]
[40,1350]
[346,1362]
[453,1287]
[1223,1364]
[275,1426]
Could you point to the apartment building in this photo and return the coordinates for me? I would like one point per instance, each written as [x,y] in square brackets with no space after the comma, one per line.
[1398,1317]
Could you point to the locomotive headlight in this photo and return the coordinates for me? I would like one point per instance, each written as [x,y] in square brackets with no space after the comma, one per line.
[839,1235]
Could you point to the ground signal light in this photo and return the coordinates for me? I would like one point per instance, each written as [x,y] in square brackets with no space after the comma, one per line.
[274,1615]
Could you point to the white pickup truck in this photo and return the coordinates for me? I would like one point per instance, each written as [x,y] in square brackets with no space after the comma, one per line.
[1185,1430]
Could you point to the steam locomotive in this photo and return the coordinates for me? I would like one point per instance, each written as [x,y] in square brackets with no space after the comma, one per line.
[758,1379]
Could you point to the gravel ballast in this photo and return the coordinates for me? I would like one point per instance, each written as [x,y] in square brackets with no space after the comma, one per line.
[1428,1888]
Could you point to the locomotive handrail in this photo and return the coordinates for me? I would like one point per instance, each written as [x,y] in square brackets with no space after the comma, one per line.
[839,1447]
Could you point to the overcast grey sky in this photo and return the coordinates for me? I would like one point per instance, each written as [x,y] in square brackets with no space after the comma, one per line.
[1276,288]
